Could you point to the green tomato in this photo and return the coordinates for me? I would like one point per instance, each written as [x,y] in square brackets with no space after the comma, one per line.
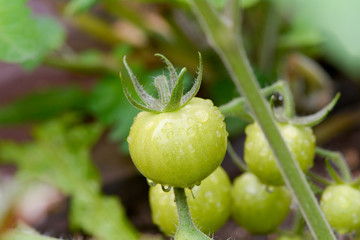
[179,148]
[261,160]
[209,210]
[341,206]
[257,207]
[288,237]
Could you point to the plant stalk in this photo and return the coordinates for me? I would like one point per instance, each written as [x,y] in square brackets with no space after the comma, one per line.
[186,229]
[226,43]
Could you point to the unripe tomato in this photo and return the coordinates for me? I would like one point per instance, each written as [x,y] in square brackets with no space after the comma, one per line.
[209,209]
[257,207]
[341,206]
[179,148]
[262,162]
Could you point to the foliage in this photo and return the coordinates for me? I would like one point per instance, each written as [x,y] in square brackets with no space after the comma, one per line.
[60,156]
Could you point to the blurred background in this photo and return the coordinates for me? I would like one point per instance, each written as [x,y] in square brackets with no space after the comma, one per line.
[64,118]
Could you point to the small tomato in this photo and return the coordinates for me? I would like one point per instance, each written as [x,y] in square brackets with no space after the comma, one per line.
[257,207]
[341,206]
[209,209]
[179,148]
[261,160]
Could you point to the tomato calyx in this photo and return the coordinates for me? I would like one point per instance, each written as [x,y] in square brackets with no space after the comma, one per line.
[170,91]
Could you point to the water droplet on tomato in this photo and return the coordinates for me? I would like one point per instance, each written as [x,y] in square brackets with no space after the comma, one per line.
[191,148]
[218,134]
[209,102]
[168,125]
[129,139]
[269,189]
[202,116]
[181,131]
[150,182]
[190,132]
[166,188]
[170,134]
[190,120]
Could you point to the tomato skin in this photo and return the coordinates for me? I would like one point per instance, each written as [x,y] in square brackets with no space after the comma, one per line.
[257,207]
[262,162]
[210,208]
[179,148]
[341,207]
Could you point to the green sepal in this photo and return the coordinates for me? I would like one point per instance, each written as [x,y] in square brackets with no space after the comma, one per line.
[310,120]
[175,99]
[132,100]
[146,98]
[195,88]
[172,70]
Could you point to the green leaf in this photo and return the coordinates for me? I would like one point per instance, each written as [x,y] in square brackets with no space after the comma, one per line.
[79,6]
[335,27]
[89,212]
[42,105]
[59,156]
[51,35]
[24,38]
[19,40]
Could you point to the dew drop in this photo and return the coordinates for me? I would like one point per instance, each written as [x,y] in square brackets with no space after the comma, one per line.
[190,132]
[168,125]
[166,188]
[150,182]
[190,120]
[306,142]
[202,116]
[181,131]
[209,102]
[129,139]
[170,134]
[191,148]
[218,134]
[264,151]
[270,189]
[209,195]
[198,183]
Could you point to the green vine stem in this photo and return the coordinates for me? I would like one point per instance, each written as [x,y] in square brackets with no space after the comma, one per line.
[236,158]
[186,229]
[222,33]
[236,107]
[338,159]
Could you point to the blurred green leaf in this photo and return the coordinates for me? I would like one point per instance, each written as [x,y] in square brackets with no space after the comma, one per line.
[243,3]
[42,105]
[333,21]
[24,38]
[51,35]
[19,40]
[79,6]
[100,215]
[60,156]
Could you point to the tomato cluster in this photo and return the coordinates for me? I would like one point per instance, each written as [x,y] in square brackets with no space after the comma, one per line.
[180,141]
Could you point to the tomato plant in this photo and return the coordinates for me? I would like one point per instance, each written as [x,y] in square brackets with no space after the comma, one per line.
[209,203]
[341,206]
[257,207]
[260,159]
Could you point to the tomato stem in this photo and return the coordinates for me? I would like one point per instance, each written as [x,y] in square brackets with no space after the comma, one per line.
[338,159]
[236,107]
[186,228]
[228,45]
